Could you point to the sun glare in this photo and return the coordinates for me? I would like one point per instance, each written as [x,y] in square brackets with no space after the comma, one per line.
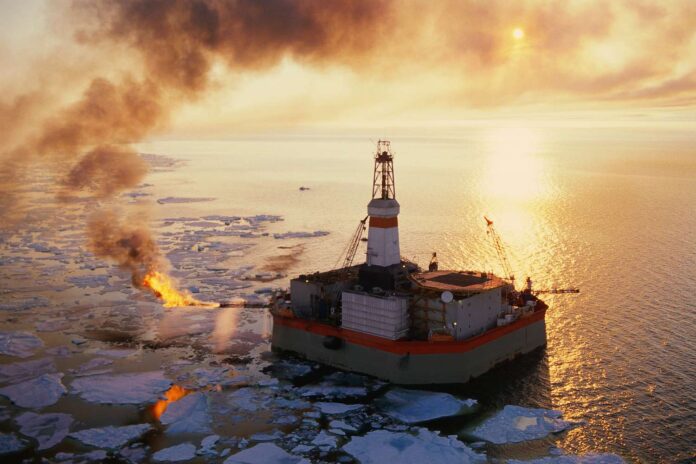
[518,33]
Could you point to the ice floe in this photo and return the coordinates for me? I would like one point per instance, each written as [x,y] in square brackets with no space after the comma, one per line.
[324,440]
[208,444]
[515,424]
[131,388]
[38,392]
[285,235]
[93,367]
[47,429]
[11,443]
[20,371]
[181,452]
[19,344]
[111,437]
[167,200]
[381,446]
[413,406]
[590,458]
[337,408]
[264,453]
[188,415]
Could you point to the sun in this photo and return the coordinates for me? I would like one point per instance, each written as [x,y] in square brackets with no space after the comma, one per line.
[517,33]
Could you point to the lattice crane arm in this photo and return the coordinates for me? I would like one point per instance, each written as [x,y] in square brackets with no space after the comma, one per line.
[500,250]
[351,249]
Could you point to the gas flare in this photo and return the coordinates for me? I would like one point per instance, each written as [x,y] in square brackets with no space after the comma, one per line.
[164,288]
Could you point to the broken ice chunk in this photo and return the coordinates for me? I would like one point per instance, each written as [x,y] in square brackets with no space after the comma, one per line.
[265,453]
[413,406]
[324,441]
[337,424]
[19,344]
[381,446]
[318,233]
[20,371]
[208,444]
[515,424]
[188,415]
[93,366]
[39,392]
[182,452]
[337,408]
[111,437]
[10,443]
[131,388]
[48,429]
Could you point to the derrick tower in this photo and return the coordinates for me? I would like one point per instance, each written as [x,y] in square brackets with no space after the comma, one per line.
[383,233]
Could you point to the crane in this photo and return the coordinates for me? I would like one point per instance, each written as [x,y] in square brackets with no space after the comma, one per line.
[348,254]
[500,250]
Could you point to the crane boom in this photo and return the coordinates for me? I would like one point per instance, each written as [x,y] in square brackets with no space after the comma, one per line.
[500,250]
[348,254]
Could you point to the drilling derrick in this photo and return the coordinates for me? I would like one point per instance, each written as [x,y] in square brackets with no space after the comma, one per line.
[383,234]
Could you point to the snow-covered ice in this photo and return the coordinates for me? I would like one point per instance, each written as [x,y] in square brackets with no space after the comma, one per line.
[11,443]
[286,235]
[48,429]
[337,408]
[131,388]
[19,344]
[413,406]
[188,415]
[515,424]
[38,392]
[111,437]
[337,424]
[93,366]
[264,453]
[324,440]
[181,452]
[20,371]
[381,446]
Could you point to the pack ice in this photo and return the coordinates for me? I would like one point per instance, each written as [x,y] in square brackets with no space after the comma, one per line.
[188,415]
[382,446]
[19,344]
[111,437]
[38,392]
[515,424]
[47,429]
[413,406]
[131,388]
[182,452]
[264,453]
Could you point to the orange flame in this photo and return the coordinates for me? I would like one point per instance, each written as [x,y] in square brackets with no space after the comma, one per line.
[175,393]
[165,289]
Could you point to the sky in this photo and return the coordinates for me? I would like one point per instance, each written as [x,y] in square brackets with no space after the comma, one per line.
[225,68]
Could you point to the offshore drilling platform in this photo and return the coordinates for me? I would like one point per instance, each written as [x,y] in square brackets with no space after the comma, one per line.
[390,319]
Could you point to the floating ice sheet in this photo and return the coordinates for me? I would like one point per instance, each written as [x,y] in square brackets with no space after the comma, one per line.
[111,437]
[413,406]
[48,429]
[93,366]
[188,415]
[131,388]
[19,344]
[20,371]
[381,446]
[337,408]
[318,233]
[11,443]
[182,452]
[264,453]
[515,424]
[38,392]
[163,201]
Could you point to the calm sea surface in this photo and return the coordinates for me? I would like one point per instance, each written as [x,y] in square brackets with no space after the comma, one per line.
[610,211]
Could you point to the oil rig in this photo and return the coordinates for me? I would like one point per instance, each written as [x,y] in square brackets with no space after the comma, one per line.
[391,319]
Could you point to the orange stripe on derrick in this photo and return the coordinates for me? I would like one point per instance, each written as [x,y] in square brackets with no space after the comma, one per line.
[383,223]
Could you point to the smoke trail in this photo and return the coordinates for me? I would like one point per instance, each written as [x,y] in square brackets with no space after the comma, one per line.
[178,42]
